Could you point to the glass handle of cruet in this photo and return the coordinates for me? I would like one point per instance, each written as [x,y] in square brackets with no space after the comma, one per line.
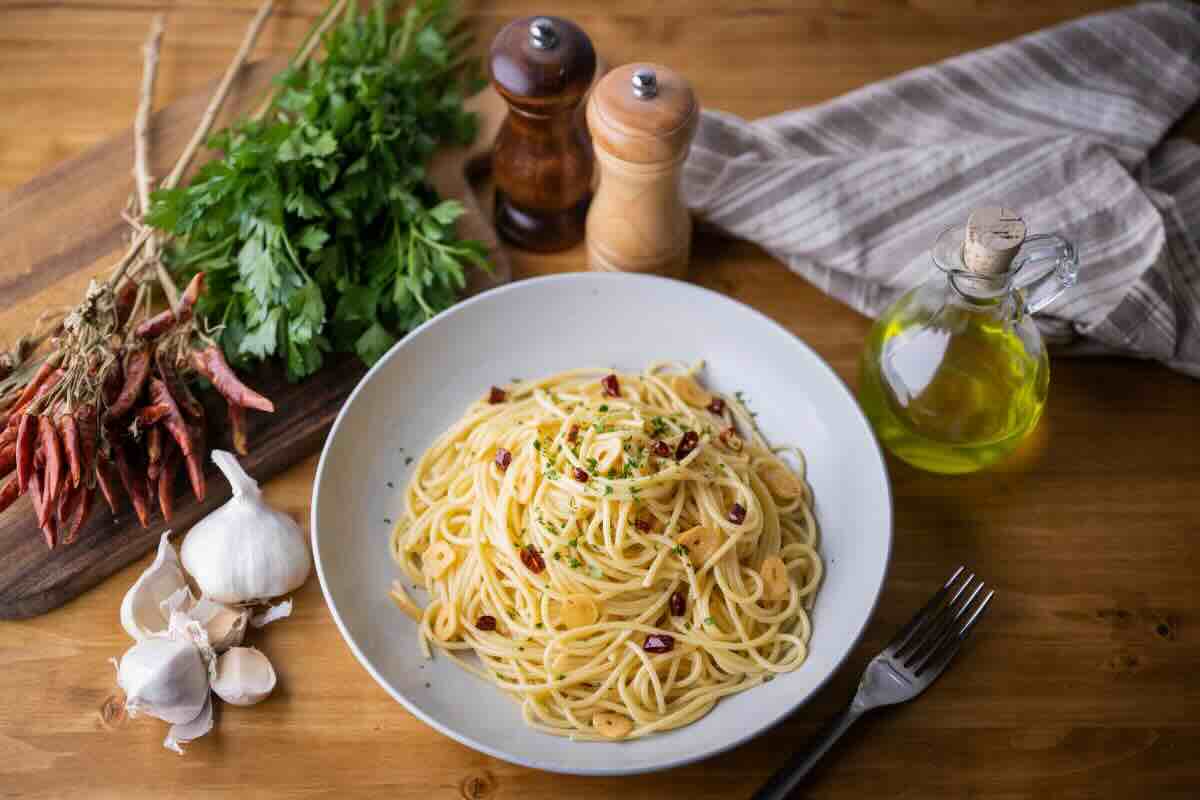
[1048,265]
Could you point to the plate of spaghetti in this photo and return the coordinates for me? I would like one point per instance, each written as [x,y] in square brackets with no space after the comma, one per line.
[601,524]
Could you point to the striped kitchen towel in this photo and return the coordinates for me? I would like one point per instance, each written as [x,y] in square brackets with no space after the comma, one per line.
[1065,125]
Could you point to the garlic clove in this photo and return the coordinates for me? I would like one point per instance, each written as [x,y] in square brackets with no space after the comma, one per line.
[225,626]
[164,677]
[244,676]
[142,613]
[245,551]
[182,733]
[273,613]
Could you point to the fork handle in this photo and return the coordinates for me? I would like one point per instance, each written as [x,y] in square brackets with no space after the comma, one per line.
[789,776]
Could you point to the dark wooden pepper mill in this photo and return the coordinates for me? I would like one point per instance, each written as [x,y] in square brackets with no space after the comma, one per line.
[542,159]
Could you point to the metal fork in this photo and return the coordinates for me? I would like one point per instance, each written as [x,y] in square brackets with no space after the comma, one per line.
[905,668]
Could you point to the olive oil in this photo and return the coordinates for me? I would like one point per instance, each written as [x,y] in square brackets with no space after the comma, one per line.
[954,374]
[952,397]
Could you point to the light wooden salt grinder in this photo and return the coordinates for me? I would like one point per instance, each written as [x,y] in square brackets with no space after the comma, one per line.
[642,118]
[541,161]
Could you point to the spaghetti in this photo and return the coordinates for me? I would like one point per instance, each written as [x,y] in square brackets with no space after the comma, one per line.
[618,552]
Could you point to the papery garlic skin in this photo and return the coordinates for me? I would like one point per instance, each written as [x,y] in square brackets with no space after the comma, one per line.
[165,678]
[143,612]
[183,732]
[245,551]
[244,677]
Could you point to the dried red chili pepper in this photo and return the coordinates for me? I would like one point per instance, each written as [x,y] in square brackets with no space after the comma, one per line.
[45,522]
[85,423]
[136,370]
[8,459]
[9,493]
[573,434]
[107,482]
[126,297]
[642,524]
[612,387]
[737,514]
[80,514]
[156,326]
[113,381]
[172,419]
[8,435]
[686,445]
[532,559]
[68,432]
[661,448]
[187,300]
[195,461]
[503,459]
[48,368]
[211,364]
[154,453]
[178,388]
[659,643]
[497,395]
[166,484]
[678,603]
[135,486]
[45,388]
[67,500]
[717,406]
[52,451]
[237,429]
[580,475]
[151,414]
[486,622]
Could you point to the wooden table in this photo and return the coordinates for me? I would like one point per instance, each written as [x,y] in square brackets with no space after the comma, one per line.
[1081,684]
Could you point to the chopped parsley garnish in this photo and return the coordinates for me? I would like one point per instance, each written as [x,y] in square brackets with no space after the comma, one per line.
[608,490]
[679,550]
[709,621]
[658,427]
[574,563]
[537,444]
[591,464]
[604,409]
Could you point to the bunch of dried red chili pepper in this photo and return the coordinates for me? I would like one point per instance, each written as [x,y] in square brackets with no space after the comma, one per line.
[111,408]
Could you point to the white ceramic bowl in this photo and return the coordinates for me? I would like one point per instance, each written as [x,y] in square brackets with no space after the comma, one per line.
[539,327]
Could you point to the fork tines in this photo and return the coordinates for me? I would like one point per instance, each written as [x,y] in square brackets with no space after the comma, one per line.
[933,636]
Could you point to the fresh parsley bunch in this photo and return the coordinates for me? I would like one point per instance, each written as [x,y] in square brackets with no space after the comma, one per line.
[317,230]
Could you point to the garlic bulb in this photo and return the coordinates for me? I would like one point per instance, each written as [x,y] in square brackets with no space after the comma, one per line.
[142,611]
[164,677]
[244,677]
[245,551]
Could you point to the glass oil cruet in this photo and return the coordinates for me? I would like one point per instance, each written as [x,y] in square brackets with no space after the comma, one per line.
[954,374]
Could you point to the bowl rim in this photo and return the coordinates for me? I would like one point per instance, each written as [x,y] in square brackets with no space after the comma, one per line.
[771,719]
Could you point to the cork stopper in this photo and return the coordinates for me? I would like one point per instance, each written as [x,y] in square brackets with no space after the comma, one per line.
[994,235]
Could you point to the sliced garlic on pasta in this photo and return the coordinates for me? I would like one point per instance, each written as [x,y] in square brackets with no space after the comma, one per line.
[579,610]
[690,392]
[782,482]
[610,725]
[701,542]
[775,578]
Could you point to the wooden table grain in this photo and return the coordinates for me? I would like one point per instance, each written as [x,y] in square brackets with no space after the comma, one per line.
[1080,684]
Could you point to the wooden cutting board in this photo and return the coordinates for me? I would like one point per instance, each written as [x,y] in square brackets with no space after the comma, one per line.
[63,228]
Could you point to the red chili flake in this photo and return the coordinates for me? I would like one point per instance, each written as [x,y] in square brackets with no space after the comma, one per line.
[573,434]
[737,514]
[532,559]
[611,387]
[486,623]
[580,475]
[717,406]
[661,449]
[686,445]
[658,643]
[503,458]
[497,395]
[642,524]
[678,604]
